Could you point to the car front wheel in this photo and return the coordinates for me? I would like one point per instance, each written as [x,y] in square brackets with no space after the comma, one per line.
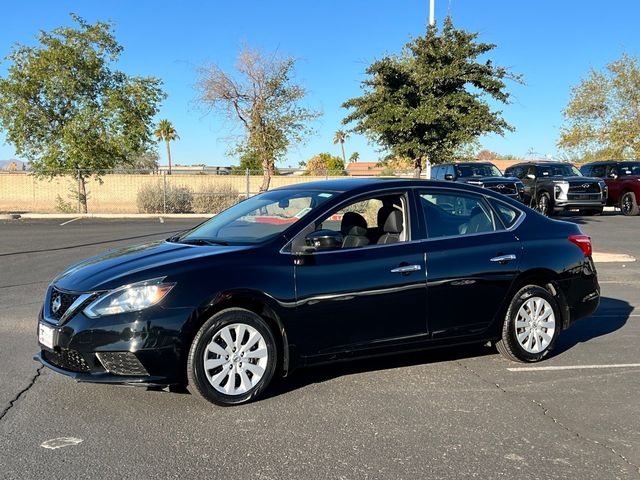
[629,204]
[232,358]
[531,325]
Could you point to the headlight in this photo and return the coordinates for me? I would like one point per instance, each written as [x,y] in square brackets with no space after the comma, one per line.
[561,189]
[129,298]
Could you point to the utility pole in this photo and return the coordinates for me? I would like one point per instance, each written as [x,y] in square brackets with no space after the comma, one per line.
[432,13]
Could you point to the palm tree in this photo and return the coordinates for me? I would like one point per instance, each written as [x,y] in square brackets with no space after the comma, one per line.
[165,131]
[340,137]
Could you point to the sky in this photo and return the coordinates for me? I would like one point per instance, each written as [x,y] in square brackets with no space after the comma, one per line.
[551,43]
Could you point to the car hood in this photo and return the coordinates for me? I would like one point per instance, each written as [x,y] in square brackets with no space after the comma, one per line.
[485,180]
[576,179]
[121,266]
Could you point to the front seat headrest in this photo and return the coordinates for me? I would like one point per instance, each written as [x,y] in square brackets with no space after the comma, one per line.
[394,222]
[353,224]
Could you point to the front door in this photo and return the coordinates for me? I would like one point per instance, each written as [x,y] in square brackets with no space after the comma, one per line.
[369,292]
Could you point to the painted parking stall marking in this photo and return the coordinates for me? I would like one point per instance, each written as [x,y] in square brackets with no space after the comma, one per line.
[572,367]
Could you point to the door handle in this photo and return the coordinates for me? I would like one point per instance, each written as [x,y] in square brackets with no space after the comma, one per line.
[406,269]
[503,258]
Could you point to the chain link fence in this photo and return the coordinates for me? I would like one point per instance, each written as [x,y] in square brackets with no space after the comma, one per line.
[191,190]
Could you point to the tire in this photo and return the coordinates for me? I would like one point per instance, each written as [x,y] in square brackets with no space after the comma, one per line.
[252,361]
[592,211]
[543,204]
[517,342]
[629,204]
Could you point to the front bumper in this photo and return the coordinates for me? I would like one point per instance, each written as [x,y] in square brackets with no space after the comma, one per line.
[140,348]
[560,205]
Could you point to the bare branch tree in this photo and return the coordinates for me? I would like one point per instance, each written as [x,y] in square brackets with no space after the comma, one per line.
[262,97]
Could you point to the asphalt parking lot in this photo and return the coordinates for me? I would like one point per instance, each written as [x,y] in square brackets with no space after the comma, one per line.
[458,413]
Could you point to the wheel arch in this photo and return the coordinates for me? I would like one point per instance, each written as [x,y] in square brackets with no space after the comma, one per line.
[253,301]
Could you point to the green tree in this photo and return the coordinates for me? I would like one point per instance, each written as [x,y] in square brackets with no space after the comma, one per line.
[430,99]
[249,160]
[266,102]
[340,137]
[354,157]
[166,132]
[603,114]
[325,164]
[66,110]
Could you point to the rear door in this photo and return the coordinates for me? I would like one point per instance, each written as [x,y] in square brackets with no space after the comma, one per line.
[472,260]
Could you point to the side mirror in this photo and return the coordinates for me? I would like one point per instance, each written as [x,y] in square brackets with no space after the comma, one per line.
[323,240]
[612,175]
[531,176]
[448,176]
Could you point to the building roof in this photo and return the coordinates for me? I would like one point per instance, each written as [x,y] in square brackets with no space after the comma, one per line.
[364,169]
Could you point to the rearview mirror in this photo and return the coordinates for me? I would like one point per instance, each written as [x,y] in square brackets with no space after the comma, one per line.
[531,176]
[448,176]
[323,240]
[284,203]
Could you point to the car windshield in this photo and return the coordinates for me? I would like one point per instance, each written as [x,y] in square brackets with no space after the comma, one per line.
[560,170]
[482,170]
[257,219]
[629,168]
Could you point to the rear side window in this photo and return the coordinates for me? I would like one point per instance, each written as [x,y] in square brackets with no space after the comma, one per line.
[596,171]
[452,214]
[507,214]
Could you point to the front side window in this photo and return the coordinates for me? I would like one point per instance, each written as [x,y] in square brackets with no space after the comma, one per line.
[379,220]
[257,219]
[452,214]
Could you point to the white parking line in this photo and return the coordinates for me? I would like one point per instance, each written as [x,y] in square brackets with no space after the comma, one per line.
[69,221]
[572,367]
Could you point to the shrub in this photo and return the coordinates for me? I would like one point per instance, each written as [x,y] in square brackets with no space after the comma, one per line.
[151,199]
[215,199]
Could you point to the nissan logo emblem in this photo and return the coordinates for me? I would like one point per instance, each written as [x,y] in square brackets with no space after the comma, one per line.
[56,304]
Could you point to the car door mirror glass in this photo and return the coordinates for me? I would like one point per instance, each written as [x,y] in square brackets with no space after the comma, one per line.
[323,240]
[448,176]
[531,176]
[612,175]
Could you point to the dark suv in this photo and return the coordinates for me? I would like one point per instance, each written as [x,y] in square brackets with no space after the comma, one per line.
[553,187]
[623,181]
[482,174]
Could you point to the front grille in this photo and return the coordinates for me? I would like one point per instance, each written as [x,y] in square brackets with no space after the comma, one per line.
[67,359]
[584,196]
[504,188]
[121,363]
[586,187]
[60,302]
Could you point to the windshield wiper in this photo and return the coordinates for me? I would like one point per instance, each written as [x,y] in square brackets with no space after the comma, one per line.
[202,241]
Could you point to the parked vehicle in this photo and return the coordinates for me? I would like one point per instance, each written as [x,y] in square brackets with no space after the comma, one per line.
[482,174]
[623,181]
[319,272]
[553,187]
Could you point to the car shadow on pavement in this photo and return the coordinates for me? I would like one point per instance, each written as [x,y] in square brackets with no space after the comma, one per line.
[322,373]
[610,316]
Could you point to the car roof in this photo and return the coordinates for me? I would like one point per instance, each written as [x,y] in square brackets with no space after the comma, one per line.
[356,185]
[541,162]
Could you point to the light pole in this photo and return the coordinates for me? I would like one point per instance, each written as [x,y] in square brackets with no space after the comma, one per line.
[432,13]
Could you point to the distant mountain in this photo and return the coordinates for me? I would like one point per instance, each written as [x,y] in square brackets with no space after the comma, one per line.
[8,164]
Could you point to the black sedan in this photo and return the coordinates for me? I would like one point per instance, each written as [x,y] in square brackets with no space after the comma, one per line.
[319,272]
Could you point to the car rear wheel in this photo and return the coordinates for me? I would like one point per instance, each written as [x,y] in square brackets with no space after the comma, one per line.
[232,358]
[544,204]
[531,325]
[628,204]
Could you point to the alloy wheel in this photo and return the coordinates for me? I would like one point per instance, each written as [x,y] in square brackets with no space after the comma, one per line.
[235,359]
[535,325]
[543,204]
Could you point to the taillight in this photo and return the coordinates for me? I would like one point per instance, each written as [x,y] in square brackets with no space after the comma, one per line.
[583,242]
